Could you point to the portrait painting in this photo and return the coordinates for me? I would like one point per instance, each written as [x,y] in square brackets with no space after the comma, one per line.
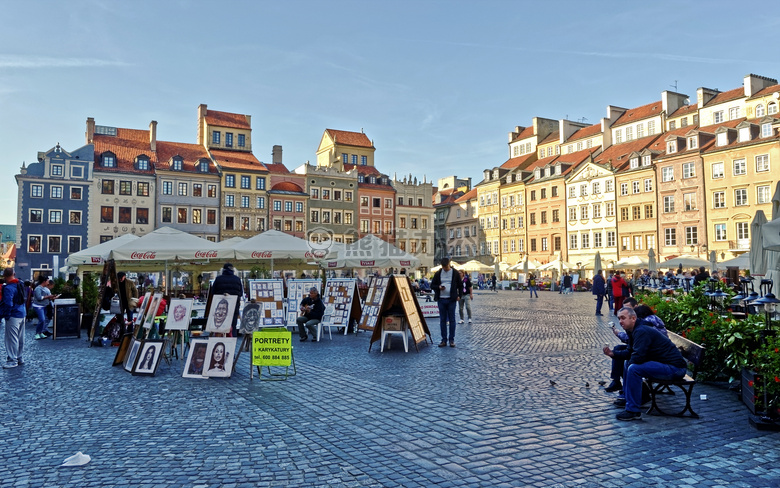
[250,318]
[219,357]
[179,313]
[139,316]
[148,357]
[130,357]
[221,314]
[196,359]
[151,311]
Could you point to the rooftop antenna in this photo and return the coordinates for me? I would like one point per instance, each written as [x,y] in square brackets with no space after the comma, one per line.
[583,119]
[675,85]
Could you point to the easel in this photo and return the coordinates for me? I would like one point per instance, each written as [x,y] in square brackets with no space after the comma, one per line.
[108,274]
[340,291]
[399,295]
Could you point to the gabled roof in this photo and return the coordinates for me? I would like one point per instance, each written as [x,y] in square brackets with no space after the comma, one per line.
[726,96]
[684,110]
[645,111]
[571,160]
[765,91]
[363,169]
[347,138]
[227,119]
[471,195]
[277,168]
[237,160]
[585,132]
[617,155]
[191,154]
[519,162]
[552,137]
[679,132]
[524,133]
[732,124]
[126,145]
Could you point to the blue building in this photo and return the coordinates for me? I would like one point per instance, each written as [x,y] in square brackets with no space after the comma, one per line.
[53,209]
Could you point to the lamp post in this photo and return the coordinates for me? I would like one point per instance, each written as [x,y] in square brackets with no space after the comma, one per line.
[766,421]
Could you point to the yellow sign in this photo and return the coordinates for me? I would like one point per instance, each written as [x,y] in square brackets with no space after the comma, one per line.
[272,347]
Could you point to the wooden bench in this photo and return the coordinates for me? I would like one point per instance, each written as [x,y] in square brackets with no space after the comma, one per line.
[693,354]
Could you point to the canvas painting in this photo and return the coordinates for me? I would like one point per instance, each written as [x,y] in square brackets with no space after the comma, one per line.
[250,318]
[179,313]
[151,312]
[148,357]
[139,316]
[221,313]
[196,359]
[219,357]
[130,357]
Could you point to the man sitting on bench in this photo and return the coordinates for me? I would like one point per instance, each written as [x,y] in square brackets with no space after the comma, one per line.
[652,356]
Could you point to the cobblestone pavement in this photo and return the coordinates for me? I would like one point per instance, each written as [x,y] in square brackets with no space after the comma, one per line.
[483,414]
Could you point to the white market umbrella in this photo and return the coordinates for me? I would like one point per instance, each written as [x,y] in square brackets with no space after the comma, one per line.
[474,266]
[370,252]
[557,265]
[453,264]
[713,261]
[741,262]
[597,264]
[274,244]
[686,261]
[169,244]
[773,255]
[651,261]
[99,253]
[632,262]
[758,256]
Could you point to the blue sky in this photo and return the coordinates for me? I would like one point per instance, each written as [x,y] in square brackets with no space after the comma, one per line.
[436,85]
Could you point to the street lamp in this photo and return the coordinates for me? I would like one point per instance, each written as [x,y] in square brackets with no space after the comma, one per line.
[765,421]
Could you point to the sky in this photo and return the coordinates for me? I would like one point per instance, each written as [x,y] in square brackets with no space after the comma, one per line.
[436,85]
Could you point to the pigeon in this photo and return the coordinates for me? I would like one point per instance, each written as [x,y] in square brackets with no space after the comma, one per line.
[587,385]
[552,383]
[602,383]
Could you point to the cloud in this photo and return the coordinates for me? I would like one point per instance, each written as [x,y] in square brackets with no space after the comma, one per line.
[37,62]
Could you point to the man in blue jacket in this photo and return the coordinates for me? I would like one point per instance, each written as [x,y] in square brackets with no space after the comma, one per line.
[12,309]
[652,355]
[447,291]
[599,289]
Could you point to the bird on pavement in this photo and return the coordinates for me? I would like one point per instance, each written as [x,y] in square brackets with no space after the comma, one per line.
[602,383]
[587,385]
[552,383]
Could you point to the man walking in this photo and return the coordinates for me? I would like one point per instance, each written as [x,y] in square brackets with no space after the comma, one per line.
[599,289]
[12,309]
[467,297]
[447,288]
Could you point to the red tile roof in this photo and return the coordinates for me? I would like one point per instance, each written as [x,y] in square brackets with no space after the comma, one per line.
[617,155]
[684,110]
[524,133]
[519,162]
[346,138]
[237,160]
[585,132]
[468,196]
[645,111]
[190,153]
[363,169]
[765,91]
[554,137]
[227,119]
[277,168]
[287,186]
[127,145]
[726,96]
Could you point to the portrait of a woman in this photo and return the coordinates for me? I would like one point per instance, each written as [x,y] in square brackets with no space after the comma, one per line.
[218,358]
[147,363]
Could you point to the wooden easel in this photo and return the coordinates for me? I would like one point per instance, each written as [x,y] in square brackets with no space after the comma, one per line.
[399,294]
[108,274]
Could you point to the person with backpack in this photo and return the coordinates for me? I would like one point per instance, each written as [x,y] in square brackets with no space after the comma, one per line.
[12,309]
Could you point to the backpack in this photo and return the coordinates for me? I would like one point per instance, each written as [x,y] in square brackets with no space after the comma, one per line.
[19,297]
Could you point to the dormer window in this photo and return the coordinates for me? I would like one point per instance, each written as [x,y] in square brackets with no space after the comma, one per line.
[495,174]
[373,180]
[722,139]
[766,130]
[203,167]
[693,143]
[486,174]
[537,173]
[142,163]
[108,160]
[760,111]
[178,164]
[228,139]
[634,162]
[744,134]
[671,147]
[361,179]
[771,108]
[557,169]
[646,160]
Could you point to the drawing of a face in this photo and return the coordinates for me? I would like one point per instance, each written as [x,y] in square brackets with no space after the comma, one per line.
[179,311]
[219,352]
[251,319]
[220,314]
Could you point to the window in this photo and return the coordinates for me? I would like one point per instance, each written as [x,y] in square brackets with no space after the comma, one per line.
[649,211]
[722,139]
[54,244]
[596,187]
[650,127]
[197,190]
[203,167]
[56,170]
[762,194]
[105,239]
[74,244]
[572,241]
[167,215]
[623,189]
[315,216]
[611,238]
[288,206]
[624,213]
[347,196]
[544,243]
[719,199]
[106,214]
[693,143]
[553,193]
[689,170]
[215,137]
[241,140]
[618,136]
[36,215]
[720,232]
[532,219]
[629,133]
[717,170]
[667,173]
[584,190]
[669,204]
[229,141]
[646,160]
[691,235]
[636,212]
[230,181]
[533,195]
[671,147]
[544,193]
[544,217]
[740,168]
[55,216]
[760,110]
[211,217]
[125,215]
[635,187]
[556,216]
[583,212]
[183,189]
[244,201]
[364,201]
[229,201]
[245,223]
[363,160]
[229,223]
[742,230]
[670,237]
[277,205]
[762,162]
[246,182]
[648,184]
[572,213]
[766,130]
[608,186]
[212,191]
[298,207]
[142,189]
[74,217]
[167,188]
[337,195]
[260,183]
[596,210]
[142,216]
[347,218]
[36,191]
[733,113]
[597,239]
[689,201]
[107,187]
[377,202]
[109,161]
[34,243]
[177,164]
[637,243]
[610,209]
[354,161]
[717,117]
[325,194]
[740,197]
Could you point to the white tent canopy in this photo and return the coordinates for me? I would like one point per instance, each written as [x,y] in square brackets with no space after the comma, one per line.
[475,266]
[686,261]
[168,244]
[273,244]
[556,264]
[370,252]
[520,267]
[98,253]
[633,262]
[741,262]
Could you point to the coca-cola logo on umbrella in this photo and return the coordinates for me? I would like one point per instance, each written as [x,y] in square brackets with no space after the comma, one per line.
[262,254]
[205,254]
[143,255]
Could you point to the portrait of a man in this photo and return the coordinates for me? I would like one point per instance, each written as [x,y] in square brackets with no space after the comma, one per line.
[221,313]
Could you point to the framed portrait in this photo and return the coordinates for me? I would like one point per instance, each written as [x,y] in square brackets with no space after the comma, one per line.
[124,346]
[139,316]
[250,318]
[196,359]
[148,358]
[179,313]
[151,311]
[130,356]
[219,357]
[220,317]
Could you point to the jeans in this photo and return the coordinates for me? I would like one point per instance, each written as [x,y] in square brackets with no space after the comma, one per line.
[306,323]
[599,303]
[465,301]
[447,314]
[532,290]
[618,362]
[14,339]
[652,369]
[42,321]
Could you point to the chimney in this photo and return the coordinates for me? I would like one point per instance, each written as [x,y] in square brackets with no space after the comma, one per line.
[153,135]
[276,154]
[704,95]
[755,83]
[202,111]
[672,101]
[90,129]
[248,120]
[566,128]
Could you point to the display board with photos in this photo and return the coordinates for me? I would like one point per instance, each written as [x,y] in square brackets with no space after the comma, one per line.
[339,298]
[376,294]
[269,294]
[398,295]
[297,290]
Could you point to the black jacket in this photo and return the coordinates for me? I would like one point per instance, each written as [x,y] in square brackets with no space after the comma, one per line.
[456,290]
[229,284]
[317,310]
[648,344]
